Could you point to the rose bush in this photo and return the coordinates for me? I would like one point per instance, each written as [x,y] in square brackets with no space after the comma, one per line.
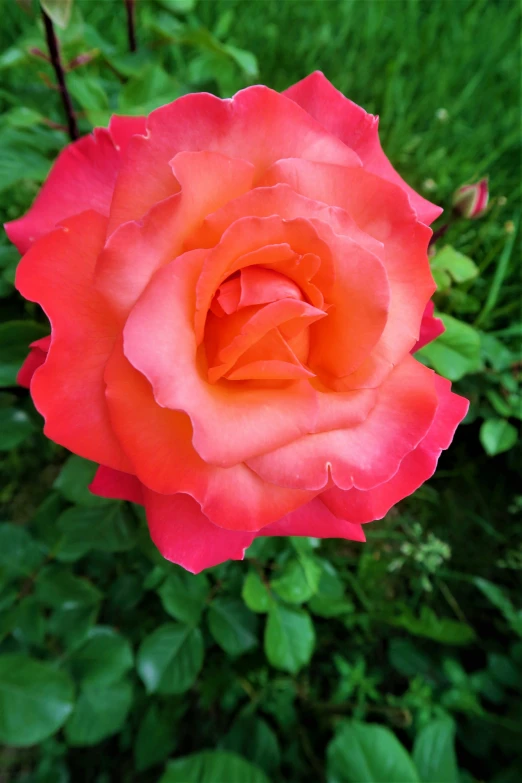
[235,288]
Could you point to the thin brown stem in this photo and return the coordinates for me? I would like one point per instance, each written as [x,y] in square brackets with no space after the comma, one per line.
[56,62]
[130,6]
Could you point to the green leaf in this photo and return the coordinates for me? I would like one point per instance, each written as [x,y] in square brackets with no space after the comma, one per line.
[330,599]
[407,659]
[170,658]
[367,753]
[20,554]
[233,626]
[253,738]
[434,752]
[15,427]
[104,658]
[56,586]
[299,580]
[497,435]
[255,593]
[15,338]
[35,700]
[449,263]
[440,629]
[456,352]
[289,638]
[100,712]
[74,479]
[183,595]
[58,10]
[502,602]
[155,740]
[90,95]
[109,528]
[211,767]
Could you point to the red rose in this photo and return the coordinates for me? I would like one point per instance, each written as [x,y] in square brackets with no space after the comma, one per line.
[234,289]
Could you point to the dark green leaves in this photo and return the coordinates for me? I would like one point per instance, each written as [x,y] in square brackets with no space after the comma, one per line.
[35,700]
[497,435]
[211,767]
[108,527]
[15,426]
[183,595]
[104,658]
[364,753]
[15,338]
[299,580]
[233,626]
[434,752]
[170,658]
[100,712]
[289,638]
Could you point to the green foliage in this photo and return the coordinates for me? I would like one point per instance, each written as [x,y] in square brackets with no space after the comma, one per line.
[318,660]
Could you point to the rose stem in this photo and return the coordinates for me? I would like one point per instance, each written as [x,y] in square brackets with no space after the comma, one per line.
[56,62]
[131,27]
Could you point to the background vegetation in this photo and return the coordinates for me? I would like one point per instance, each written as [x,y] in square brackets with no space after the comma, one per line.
[395,661]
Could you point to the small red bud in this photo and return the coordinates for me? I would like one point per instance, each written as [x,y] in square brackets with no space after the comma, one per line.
[471,201]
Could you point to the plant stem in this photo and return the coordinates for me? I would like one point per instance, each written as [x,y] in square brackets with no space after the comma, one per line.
[130,5]
[56,62]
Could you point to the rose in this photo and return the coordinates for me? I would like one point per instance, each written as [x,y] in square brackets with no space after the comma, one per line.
[234,289]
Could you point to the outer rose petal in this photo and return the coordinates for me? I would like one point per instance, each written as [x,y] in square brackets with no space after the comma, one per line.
[314,519]
[430,329]
[35,358]
[257,124]
[184,535]
[68,389]
[109,483]
[82,178]
[367,454]
[123,128]
[358,130]
[414,470]
[159,445]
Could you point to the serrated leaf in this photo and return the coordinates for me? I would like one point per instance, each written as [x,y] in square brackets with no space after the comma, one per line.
[15,427]
[170,658]
[156,738]
[103,658]
[434,752]
[20,554]
[370,753]
[299,580]
[74,479]
[253,739]
[211,767]
[255,593]
[289,638]
[497,436]
[109,528]
[449,263]
[35,700]
[183,595]
[233,626]
[100,712]
[456,352]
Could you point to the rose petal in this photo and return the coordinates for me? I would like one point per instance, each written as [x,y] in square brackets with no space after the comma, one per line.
[430,328]
[115,484]
[316,520]
[357,130]
[257,124]
[414,470]
[365,455]
[122,128]
[35,358]
[68,390]
[82,178]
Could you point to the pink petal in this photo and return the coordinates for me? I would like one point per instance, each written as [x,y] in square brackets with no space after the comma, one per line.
[109,483]
[35,358]
[430,329]
[316,520]
[357,130]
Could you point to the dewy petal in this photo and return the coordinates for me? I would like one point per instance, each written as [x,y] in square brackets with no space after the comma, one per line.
[158,442]
[159,341]
[316,520]
[431,328]
[82,178]
[382,210]
[68,390]
[115,484]
[136,250]
[257,124]
[35,358]
[358,130]
[416,468]
[184,535]
[364,455]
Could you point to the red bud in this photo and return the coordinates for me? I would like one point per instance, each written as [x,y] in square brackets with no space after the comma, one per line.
[471,201]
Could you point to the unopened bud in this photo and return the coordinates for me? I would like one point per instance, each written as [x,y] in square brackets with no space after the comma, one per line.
[471,201]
